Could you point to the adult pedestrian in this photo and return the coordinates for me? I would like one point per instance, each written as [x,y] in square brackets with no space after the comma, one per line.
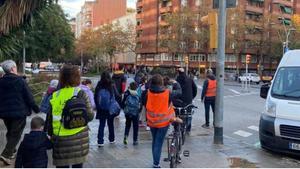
[105,91]
[70,145]
[16,103]
[189,92]
[119,80]
[208,96]
[160,114]
[86,86]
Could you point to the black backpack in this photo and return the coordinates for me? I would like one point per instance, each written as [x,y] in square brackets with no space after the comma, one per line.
[74,114]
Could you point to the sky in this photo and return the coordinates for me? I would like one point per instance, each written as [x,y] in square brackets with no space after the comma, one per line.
[72,7]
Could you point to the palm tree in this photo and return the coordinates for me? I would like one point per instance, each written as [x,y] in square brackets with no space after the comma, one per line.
[14,13]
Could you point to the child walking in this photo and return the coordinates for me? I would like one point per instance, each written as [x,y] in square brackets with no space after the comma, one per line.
[32,152]
[132,108]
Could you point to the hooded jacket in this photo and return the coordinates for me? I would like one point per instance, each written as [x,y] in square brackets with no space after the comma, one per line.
[16,99]
[205,86]
[32,152]
[189,88]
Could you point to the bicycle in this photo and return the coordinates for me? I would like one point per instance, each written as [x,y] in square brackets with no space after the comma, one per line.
[176,139]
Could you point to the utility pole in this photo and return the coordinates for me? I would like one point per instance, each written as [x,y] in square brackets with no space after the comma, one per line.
[218,126]
[24,53]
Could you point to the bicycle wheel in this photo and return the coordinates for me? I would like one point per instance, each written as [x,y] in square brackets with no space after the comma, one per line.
[183,132]
[173,152]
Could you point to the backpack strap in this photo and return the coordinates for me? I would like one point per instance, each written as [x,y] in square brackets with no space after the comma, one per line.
[76,91]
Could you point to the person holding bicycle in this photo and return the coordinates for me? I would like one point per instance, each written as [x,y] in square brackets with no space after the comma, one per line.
[160,113]
[189,92]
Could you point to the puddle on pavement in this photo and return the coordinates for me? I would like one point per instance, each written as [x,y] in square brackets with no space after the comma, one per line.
[241,163]
[203,134]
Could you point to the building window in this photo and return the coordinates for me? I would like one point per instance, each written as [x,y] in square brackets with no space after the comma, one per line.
[157,57]
[138,22]
[165,3]
[182,45]
[230,58]
[196,45]
[162,17]
[139,33]
[139,45]
[211,57]
[139,10]
[197,57]
[166,57]
[285,9]
[257,3]
[253,16]
[178,57]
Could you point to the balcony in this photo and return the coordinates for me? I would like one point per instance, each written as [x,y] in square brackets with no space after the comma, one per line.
[284,15]
[139,4]
[283,2]
[165,9]
[254,9]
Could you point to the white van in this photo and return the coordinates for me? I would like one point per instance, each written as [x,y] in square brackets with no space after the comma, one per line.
[279,128]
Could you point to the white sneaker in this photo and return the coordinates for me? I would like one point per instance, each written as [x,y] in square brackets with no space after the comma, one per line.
[6,161]
[147,128]
[100,145]
[113,142]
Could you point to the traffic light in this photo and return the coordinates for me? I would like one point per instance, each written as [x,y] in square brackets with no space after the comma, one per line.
[186,60]
[248,59]
[213,29]
[212,21]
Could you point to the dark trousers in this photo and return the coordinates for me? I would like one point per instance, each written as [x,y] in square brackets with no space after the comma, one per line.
[14,132]
[158,137]
[134,120]
[72,166]
[207,104]
[111,130]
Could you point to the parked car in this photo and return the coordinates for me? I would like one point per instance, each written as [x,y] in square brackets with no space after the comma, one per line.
[279,126]
[50,68]
[250,77]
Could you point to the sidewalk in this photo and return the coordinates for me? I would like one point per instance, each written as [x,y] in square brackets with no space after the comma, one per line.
[203,153]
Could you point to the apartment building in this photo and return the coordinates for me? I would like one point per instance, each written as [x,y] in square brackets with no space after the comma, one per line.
[96,13]
[150,17]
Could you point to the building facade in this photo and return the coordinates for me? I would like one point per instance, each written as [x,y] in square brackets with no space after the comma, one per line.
[127,57]
[150,19]
[96,13]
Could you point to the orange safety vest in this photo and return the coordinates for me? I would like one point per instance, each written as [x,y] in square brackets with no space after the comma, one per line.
[159,112]
[211,89]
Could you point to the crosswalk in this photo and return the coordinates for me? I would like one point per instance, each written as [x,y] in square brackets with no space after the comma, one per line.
[243,133]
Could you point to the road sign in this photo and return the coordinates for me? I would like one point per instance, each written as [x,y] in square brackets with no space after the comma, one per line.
[229,4]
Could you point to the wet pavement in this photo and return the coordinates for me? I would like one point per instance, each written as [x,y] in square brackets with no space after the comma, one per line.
[203,153]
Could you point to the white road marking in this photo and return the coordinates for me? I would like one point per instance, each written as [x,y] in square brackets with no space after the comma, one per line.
[255,128]
[234,91]
[242,133]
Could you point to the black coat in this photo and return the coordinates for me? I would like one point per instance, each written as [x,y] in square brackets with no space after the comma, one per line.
[189,88]
[16,100]
[32,152]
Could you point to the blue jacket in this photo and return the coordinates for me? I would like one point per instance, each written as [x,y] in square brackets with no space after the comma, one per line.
[32,152]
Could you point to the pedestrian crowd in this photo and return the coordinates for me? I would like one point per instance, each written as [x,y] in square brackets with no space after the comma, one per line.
[70,104]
